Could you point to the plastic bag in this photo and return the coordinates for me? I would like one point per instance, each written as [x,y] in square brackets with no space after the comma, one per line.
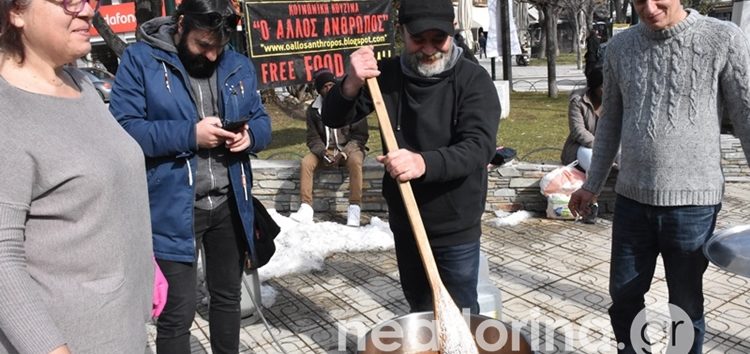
[557,207]
[161,287]
[562,180]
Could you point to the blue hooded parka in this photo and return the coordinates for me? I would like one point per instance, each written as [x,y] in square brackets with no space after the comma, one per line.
[153,101]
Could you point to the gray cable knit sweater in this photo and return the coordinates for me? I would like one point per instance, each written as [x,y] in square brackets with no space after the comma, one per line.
[663,97]
[75,233]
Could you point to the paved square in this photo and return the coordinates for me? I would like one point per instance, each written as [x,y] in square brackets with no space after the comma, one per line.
[552,274]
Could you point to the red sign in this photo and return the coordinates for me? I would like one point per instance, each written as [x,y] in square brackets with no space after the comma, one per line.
[120,17]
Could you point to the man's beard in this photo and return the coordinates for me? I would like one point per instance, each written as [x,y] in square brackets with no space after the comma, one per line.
[196,65]
[439,64]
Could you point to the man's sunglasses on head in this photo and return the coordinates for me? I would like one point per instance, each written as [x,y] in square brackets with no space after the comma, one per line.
[215,20]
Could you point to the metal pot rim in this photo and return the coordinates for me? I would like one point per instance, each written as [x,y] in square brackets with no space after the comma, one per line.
[729,249]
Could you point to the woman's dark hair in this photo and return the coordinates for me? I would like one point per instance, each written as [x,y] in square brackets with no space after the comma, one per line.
[594,69]
[594,77]
[10,36]
[215,16]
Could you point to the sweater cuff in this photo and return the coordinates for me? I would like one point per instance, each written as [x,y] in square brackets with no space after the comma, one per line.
[592,186]
[434,166]
[343,95]
[193,132]
[250,136]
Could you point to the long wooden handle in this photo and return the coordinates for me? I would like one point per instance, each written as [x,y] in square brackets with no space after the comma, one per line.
[415,219]
[447,316]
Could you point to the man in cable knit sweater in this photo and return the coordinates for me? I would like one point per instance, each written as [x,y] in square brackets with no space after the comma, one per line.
[667,81]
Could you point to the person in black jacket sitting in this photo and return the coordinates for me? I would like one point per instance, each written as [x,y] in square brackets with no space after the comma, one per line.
[445,111]
[328,148]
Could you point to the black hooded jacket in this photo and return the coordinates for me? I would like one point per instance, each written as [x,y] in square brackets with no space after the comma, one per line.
[452,121]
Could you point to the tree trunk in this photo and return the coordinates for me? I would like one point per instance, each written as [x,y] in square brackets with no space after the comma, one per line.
[113,41]
[577,32]
[156,8]
[633,15]
[619,11]
[543,36]
[551,24]
[146,10]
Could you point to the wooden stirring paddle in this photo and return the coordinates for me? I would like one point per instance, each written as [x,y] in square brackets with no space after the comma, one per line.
[454,336]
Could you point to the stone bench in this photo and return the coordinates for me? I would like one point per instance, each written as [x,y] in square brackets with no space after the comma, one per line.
[511,187]
[276,183]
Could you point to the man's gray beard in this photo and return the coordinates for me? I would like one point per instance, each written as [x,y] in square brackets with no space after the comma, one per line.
[429,70]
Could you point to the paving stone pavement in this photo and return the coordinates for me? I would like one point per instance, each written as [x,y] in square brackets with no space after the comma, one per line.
[552,275]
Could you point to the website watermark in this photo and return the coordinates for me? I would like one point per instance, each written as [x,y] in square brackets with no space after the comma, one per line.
[661,328]
[657,329]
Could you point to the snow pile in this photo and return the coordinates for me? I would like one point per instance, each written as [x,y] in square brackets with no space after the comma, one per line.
[509,219]
[304,247]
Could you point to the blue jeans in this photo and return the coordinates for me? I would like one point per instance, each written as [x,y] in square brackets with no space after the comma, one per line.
[640,233]
[458,266]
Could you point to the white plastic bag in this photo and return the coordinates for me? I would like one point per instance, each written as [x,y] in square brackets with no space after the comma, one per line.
[562,180]
[557,207]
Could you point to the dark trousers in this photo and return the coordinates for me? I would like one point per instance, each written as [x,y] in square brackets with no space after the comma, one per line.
[222,236]
[640,233]
[458,266]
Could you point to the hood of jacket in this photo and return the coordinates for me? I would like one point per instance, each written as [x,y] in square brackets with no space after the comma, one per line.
[159,33]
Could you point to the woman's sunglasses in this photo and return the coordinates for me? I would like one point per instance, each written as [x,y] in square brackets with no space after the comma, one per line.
[75,7]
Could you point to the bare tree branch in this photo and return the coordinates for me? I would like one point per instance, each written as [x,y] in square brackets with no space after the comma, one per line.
[144,11]
[113,41]
[703,6]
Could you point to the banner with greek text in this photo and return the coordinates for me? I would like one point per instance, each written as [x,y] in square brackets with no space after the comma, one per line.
[289,40]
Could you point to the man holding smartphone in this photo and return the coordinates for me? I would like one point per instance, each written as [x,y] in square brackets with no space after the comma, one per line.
[331,147]
[182,95]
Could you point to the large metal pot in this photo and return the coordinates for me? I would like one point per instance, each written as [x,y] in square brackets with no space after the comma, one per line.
[414,333]
[729,249]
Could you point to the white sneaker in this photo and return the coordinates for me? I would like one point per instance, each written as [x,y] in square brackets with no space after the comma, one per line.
[352,218]
[304,214]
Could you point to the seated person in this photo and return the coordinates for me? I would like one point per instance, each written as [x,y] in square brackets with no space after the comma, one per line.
[331,147]
[584,111]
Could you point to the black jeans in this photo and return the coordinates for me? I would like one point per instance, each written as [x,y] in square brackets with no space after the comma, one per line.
[221,233]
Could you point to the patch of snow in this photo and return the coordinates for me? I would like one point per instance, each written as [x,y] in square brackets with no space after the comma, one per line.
[510,219]
[267,295]
[304,247]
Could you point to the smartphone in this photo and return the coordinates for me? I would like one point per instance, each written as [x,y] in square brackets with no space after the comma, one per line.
[235,125]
